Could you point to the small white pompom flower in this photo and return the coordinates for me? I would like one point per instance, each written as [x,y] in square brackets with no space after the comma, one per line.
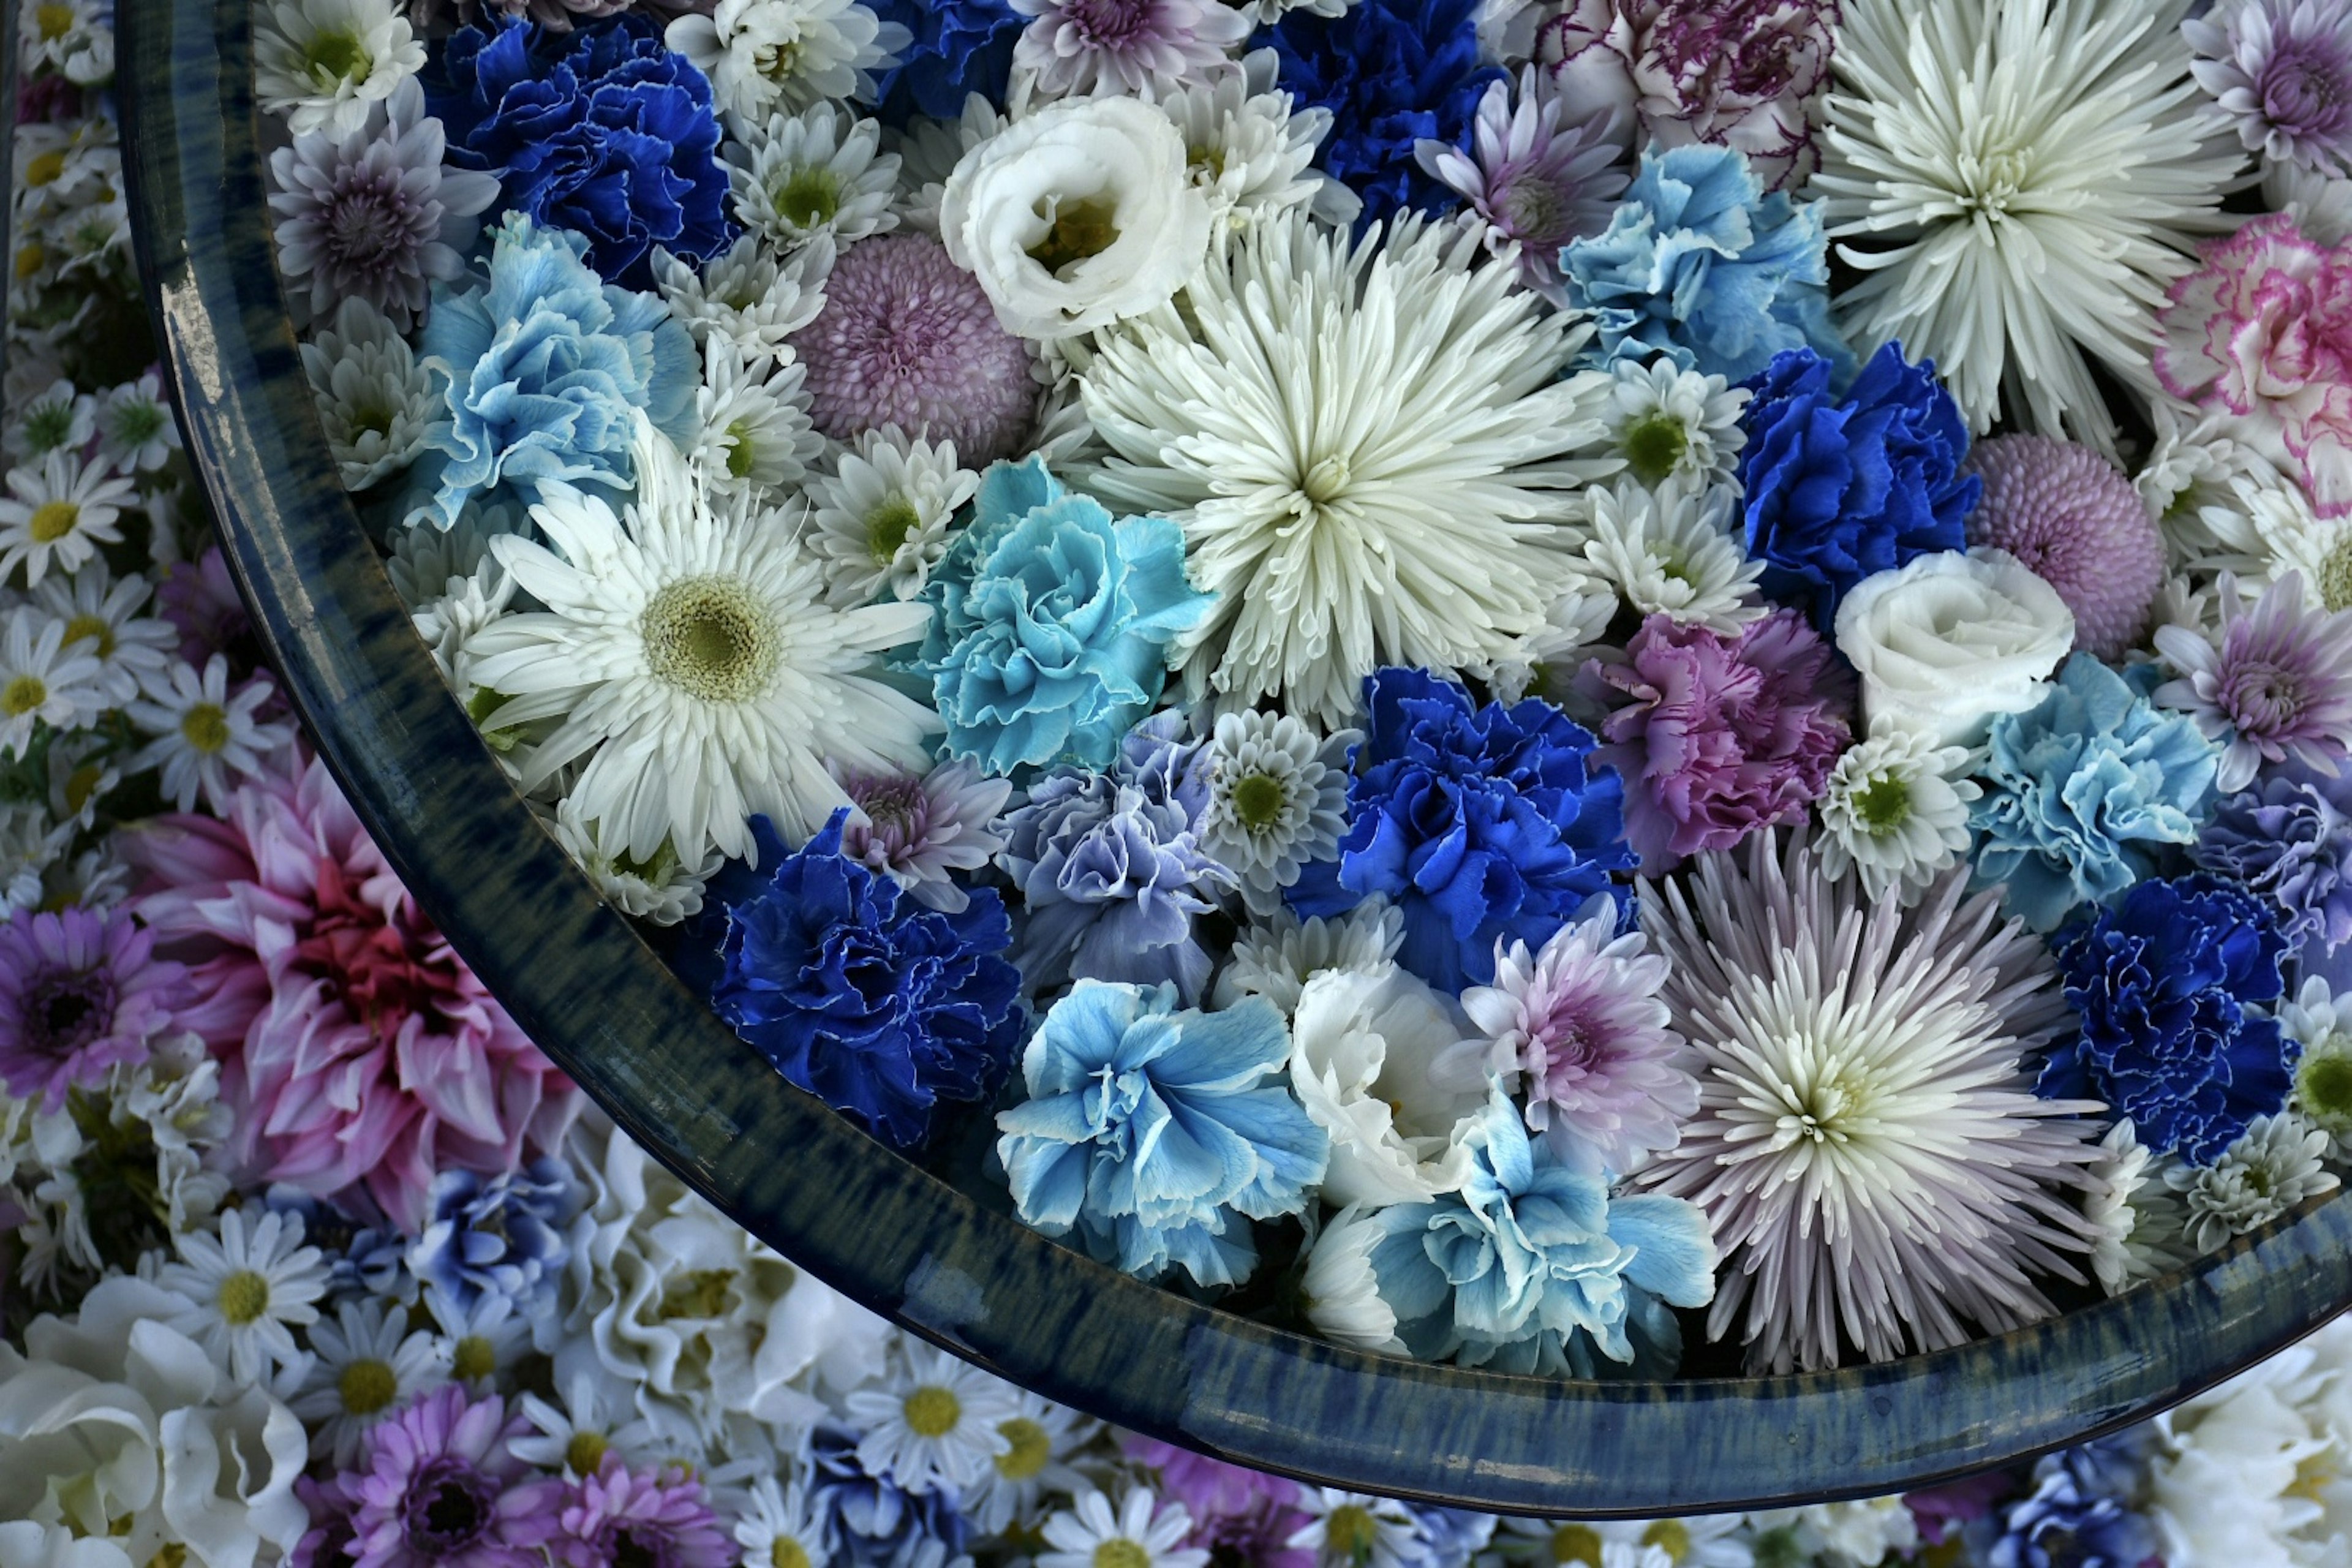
[1897,809]
[883,514]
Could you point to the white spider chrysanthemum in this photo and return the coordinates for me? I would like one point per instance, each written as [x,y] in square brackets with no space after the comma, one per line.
[1897,810]
[1671,551]
[663,889]
[749,297]
[365,1363]
[2137,1221]
[1668,422]
[2020,180]
[752,431]
[43,679]
[1275,961]
[1350,1530]
[934,1420]
[882,515]
[101,616]
[322,63]
[2273,1166]
[376,401]
[766,55]
[1142,1532]
[204,736]
[809,174]
[2321,1022]
[690,658]
[1868,1148]
[57,513]
[1277,801]
[244,1292]
[1370,446]
[1039,1437]
[1251,150]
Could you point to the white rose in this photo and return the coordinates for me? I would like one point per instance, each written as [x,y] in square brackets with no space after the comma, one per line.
[1361,1050]
[1951,640]
[1078,216]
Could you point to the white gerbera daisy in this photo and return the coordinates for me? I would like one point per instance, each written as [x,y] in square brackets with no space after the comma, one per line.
[1671,423]
[1251,150]
[1339,1293]
[204,736]
[592,1414]
[376,401]
[1896,809]
[2137,1223]
[2273,1166]
[321,63]
[2321,1022]
[43,679]
[244,1292]
[134,652]
[1350,1530]
[1143,1532]
[366,1362]
[749,298]
[762,56]
[882,515]
[1370,447]
[663,890]
[2020,181]
[753,432]
[57,418]
[2297,540]
[782,1527]
[1277,801]
[1039,1437]
[58,513]
[820,171]
[933,1421]
[1276,960]
[1671,551]
[692,662]
[136,431]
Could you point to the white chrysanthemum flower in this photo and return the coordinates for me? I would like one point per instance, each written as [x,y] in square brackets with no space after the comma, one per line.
[1873,1160]
[136,432]
[1361,1047]
[882,515]
[1350,1530]
[376,401]
[102,618]
[2020,181]
[2242,1469]
[762,56]
[820,171]
[2139,1224]
[204,736]
[591,1415]
[365,1363]
[752,430]
[662,888]
[2321,1022]
[454,589]
[1040,1437]
[2273,1166]
[1370,446]
[934,1420]
[1136,48]
[1553,654]
[692,662]
[1896,809]
[2298,540]
[1275,961]
[782,1527]
[749,298]
[58,513]
[1339,1292]
[43,679]
[1251,150]
[2198,482]
[242,1293]
[1266,13]
[322,63]
[1672,551]
[1277,801]
[1671,423]
[1844,1534]
[57,418]
[1143,1532]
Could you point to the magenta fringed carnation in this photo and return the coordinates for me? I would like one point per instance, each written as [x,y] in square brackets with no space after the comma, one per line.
[2075,522]
[437,1487]
[1723,734]
[654,1518]
[359,1054]
[2279,684]
[79,993]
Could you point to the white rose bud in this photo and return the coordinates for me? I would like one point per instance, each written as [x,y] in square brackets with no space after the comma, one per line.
[1950,641]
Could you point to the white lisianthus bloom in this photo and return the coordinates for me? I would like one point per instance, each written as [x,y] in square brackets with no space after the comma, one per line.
[765,55]
[1948,642]
[1079,216]
[1360,1049]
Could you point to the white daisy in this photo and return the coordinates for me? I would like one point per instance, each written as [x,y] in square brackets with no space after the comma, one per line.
[690,659]
[136,431]
[782,1527]
[1142,1533]
[1672,551]
[820,171]
[376,401]
[1697,1540]
[55,32]
[487,1340]
[58,513]
[2020,182]
[1251,150]
[1039,1439]
[59,418]
[42,679]
[83,769]
[1276,960]
[1671,423]
[29,845]
[2321,1022]
[366,1362]
[1339,1292]
[882,515]
[663,890]
[321,63]
[135,651]
[1277,801]
[762,56]
[243,1292]
[2273,1166]
[204,736]
[594,1414]
[1370,447]
[1896,809]
[1350,1530]
[754,435]
[935,1420]
[749,298]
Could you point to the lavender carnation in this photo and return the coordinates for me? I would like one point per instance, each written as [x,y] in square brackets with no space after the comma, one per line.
[2289,838]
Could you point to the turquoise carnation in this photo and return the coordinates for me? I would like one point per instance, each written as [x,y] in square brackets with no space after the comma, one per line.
[1051,624]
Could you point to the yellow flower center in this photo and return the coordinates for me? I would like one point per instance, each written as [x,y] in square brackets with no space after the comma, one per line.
[244,1297]
[712,639]
[43,168]
[54,21]
[1670,1536]
[30,260]
[1121,1553]
[1883,805]
[366,1387]
[81,783]
[699,1293]
[1350,1531]
[1576,1543]
[205,725]
[23,695]
[2336,575]
[1028,1448]
[584,1453]
[171,1554]
[52,521]
[933,1411]
[2323,1087]
[788,1553]
[741,454]
[473,1358]
[1078,229]
[90,624]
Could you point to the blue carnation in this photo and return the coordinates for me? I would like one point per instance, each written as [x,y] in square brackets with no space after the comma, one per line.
[2084,792]
[1480,824]
[500,1235]
[1840,489]
[876,1522]
[879,1006]
[602,131]
[1700,264]
[1393,73]
[1052,622]
[959,48]
[2062,1525]
[1157,1134]
[2170,984]
[541,373]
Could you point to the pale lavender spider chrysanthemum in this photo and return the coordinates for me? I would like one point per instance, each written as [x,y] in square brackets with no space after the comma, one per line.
[1531,180]
[917,830]
[1134,46]
[2280,682]
[2282,70]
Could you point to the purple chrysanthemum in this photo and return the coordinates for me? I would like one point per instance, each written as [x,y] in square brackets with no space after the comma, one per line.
[659,1518]
[2289,839]
[1146,46]
[2076,522]
[908,338]
[2280,681]
[917,830]
[78,993]
[2282,70]
[441,1490]
[1537,183]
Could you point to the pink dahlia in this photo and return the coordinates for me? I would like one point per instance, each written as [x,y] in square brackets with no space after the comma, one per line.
[2075,522]
[2263,329]
[437,1487]
[78,991]
[918,831]
[1146,47]
[359,1054]
[2280,682]
[2282,70]
[908,338]
[1723,734]
[1537,184]
[657,1518]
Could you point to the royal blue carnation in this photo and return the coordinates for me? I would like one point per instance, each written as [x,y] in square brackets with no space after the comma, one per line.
[602,131]
[1700,264]
[1393,73]
[501,1236]
[879,1006]
[2171,984]
[961,46]
[874,1521]
[2063,1525]
[1839,489]
[1480,824]
[2289,839]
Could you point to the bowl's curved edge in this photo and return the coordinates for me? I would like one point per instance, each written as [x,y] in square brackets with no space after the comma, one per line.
[581,982]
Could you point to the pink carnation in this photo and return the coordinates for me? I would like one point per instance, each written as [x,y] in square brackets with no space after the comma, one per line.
[358,1052]
[2264,329]
[1724,733]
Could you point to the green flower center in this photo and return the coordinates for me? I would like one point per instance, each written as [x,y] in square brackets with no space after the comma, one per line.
[52,521]
[887,526]
[933,1411]
[742,454]
[1258,800]
[700,1293]
[1654,444]
[712,639]
[244,1297]
[2324,1085]
[810,194]
[1883,805]
[366,1387]
[2336,575]
[1350,1531]
[1576,1543]
[1080,229]
[336,55]
[136,424]
[47,426]
[1121,1553]
[371,419]
[205,726]
[584,1452]
[23,695]
[43,168]
[473,1359]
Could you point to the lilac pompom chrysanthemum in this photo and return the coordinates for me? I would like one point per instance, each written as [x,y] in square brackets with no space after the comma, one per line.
[1533,181]
[2075,522]
[2282,69]
[2280,682]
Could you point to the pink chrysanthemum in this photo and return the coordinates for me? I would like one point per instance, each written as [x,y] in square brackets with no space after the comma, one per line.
[659,1518]
[2282,70]
[78,993]
[906,338]
[439,1488]
[2263,329]
[1724,733]
[359,1054]
[1131,47]
[917,830]
[1536,183]
[2075,522]
[2280,682]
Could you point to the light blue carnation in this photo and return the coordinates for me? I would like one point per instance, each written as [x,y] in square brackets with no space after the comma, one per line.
[1534,1267]
[1158,1135]
[541,372]
[1052,622]
[1700,264]
[2084,792]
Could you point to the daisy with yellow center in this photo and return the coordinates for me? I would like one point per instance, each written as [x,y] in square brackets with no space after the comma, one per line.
[58,512]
